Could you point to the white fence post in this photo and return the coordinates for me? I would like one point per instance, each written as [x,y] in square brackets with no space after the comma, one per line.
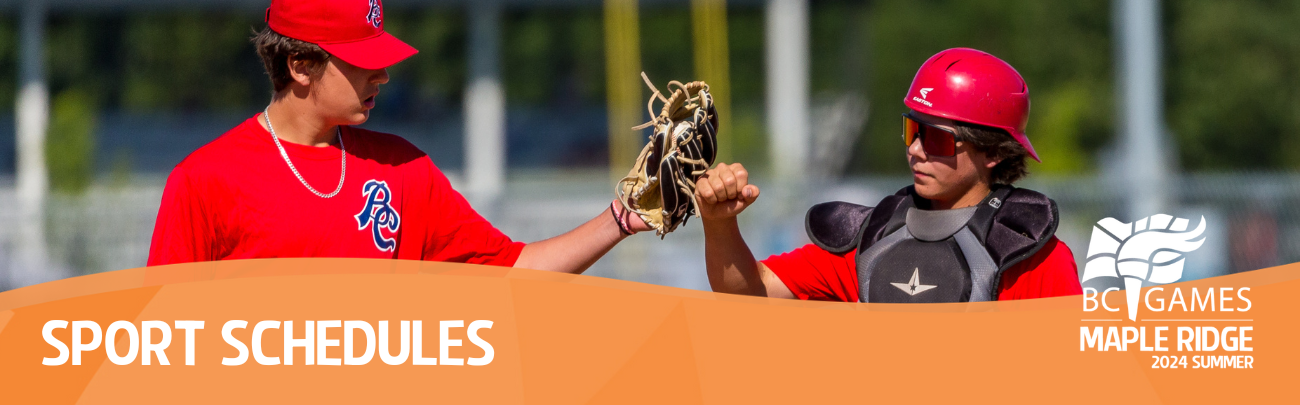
[485,109]
[32,109]
[1141,107]
[788,124]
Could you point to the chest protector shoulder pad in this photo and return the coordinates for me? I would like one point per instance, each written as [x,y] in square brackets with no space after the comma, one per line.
[905,254]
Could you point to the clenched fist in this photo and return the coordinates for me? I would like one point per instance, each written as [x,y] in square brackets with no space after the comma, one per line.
[724,191]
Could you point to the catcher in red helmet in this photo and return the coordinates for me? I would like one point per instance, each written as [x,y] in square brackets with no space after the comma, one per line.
[961,232]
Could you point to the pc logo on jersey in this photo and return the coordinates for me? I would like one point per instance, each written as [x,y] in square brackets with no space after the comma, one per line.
[376,15]
[377,214]
[1150,249]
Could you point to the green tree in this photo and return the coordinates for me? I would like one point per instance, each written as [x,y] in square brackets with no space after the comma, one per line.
[70,141]
[1233,84]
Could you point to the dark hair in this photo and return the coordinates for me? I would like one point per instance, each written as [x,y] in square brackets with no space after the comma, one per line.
[997,144]
[276,49]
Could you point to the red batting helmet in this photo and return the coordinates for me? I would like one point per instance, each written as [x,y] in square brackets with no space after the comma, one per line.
[968,85]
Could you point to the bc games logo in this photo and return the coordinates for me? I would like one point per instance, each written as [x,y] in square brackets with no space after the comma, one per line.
[1153,250]
[1150,249]
[379,214]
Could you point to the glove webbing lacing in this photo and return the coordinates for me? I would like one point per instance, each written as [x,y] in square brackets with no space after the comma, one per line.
[686,100]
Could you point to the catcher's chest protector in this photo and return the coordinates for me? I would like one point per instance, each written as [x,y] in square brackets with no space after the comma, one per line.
[906,254]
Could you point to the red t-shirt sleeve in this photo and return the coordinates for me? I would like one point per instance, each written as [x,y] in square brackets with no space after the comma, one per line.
[812,273]
[1050,272]
[184,231]
[457,233]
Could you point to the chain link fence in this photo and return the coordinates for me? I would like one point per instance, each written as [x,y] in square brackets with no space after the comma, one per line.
[1254,221]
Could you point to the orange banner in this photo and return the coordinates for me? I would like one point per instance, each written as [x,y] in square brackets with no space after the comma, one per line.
[385,331]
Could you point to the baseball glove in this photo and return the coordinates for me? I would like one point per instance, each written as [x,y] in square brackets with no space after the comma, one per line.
[661,186]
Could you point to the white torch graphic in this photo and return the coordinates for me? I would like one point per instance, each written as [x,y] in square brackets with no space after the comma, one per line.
[1150,249]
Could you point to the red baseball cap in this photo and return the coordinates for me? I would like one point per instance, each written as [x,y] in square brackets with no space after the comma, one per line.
[352,30]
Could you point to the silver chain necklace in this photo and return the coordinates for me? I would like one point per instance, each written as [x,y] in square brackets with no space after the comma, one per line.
[342,172]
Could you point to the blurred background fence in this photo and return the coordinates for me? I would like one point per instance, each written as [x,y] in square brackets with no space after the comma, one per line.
[1139,106]
[1254,221]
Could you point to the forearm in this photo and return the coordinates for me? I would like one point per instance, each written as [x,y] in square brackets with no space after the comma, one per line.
[576,250]
[731,266]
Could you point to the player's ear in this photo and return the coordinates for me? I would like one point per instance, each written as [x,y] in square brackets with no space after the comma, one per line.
[301,70]
[991,161]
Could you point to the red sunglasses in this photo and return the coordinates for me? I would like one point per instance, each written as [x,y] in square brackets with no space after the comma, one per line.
[935,141]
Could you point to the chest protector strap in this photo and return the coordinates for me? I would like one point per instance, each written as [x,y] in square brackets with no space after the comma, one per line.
[966,249]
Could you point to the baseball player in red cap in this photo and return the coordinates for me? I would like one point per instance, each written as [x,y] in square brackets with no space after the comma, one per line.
[298,180]
[959,233]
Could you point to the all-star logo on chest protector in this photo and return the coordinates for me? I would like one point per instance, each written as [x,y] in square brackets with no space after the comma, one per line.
[914,286]
[378,214]
[893,268]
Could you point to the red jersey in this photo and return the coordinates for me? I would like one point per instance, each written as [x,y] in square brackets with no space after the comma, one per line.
[813,273]
[236,198]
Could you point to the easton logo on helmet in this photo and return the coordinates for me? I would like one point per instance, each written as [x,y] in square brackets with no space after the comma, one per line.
[376,15]
[926,91]
[378,214]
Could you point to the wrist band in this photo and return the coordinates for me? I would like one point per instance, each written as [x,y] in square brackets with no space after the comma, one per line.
[618,219]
